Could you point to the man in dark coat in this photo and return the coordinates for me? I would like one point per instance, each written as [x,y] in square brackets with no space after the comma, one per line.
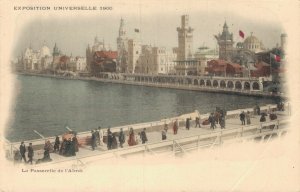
[187,123]
[242,117]
[109,139]
[211,120]
[63,147]
[144,136]
[30,153]
[114,143]
[93,141]
[56,144]
[121,137]
[23,151]
[222,122]
[76,144]
[197,122]
[73,147]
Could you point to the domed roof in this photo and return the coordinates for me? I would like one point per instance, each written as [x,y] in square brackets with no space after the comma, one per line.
[251,40]
[45,51]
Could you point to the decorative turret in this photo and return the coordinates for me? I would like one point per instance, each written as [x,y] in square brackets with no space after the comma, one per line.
[56,51]
[225,42]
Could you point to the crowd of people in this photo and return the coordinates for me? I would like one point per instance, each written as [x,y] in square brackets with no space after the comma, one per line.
[70,145]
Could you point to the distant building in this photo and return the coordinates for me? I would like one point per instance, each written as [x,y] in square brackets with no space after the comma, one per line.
[90,51]
[81,64]
[122,48]
[134,51]
[103,61]
[253,44]
[35,60]
[261,69]
[185,64]
[156,60]
[185,39]
[203,56]
[223,68]
[225,42]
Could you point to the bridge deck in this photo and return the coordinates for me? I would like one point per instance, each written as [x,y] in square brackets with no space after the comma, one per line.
[155,137]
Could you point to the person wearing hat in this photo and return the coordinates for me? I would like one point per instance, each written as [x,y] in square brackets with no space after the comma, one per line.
[121,137]
[23,151]
[56,144]
[30,153]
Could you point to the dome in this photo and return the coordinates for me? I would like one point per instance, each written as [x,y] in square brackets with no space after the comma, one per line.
[251,40]
[45,51]
[253,44]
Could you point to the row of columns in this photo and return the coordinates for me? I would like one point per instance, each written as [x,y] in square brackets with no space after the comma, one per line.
[230,84]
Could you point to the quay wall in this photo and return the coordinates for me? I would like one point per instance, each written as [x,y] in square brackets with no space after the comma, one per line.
[106,78]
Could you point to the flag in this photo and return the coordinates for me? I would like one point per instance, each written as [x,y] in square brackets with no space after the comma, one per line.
[275,57]
[241,33]
[136,30]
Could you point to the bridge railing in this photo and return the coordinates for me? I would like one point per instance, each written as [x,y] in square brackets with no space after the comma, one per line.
[188,143]
[150,126]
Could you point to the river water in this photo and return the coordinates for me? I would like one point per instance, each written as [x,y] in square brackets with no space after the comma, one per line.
[48,105]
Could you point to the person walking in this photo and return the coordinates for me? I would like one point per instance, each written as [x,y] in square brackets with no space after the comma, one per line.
[144,136]
[56,144]
[175,127]
[23,151]
[242,117]
[73,146]
[109,139]
[187,123]
[166,127]
[47,149]
[211,120]
[121,137]
[93,141]
[30,153]
[114,143]
[131,140]
[197,122]
[222,122]
[76,143]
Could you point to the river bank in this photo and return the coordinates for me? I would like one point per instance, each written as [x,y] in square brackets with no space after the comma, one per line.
[190,87]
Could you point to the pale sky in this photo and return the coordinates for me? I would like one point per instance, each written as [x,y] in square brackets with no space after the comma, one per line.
[72,34]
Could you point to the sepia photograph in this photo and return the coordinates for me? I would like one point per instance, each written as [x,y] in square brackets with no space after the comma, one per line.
[149,95]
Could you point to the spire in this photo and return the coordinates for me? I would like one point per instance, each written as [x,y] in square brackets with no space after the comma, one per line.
[96,39]
[225,26]
[122,31]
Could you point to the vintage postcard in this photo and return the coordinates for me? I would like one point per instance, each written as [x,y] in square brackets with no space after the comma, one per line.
[149,95]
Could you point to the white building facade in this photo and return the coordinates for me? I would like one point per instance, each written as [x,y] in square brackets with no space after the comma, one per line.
[156,60]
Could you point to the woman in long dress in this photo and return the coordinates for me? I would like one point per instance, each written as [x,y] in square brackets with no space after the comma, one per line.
[131,140]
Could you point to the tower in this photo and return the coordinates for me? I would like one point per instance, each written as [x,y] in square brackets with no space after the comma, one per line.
[56,57]
[185,39]
[225,42]
[122,48]
[283,41]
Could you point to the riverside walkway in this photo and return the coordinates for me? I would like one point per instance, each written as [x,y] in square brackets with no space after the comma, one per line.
[183,142]
[230,85]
